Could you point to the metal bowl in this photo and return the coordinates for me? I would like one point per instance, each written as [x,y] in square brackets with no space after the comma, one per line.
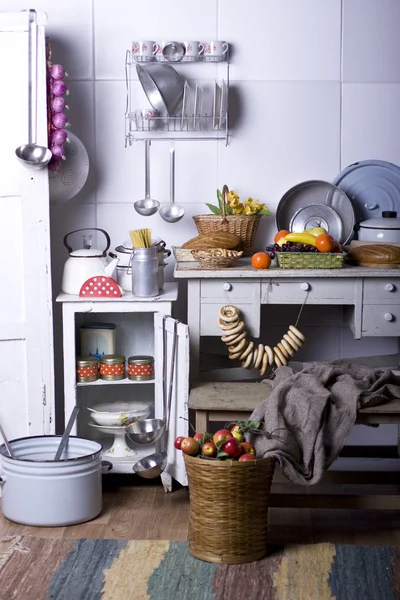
[162,86]
[151,466]
[147,431]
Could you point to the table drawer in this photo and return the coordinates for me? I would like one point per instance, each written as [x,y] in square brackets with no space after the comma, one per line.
[386,290]
[228,290]
[381,320]
[318,291]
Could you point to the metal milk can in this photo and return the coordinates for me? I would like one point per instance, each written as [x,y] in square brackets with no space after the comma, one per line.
[145,272]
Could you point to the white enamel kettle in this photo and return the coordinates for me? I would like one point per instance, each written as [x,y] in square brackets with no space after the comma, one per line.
[85,263]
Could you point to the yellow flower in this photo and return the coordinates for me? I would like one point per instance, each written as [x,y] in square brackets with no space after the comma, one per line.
[239,209]
[232,197]
[234,202]
[249,210]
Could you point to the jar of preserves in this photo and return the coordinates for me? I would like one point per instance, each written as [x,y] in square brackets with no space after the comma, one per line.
[87,369]
[140,368]
[112,367]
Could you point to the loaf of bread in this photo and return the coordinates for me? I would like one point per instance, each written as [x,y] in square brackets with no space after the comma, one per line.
[375,253]
[221,239]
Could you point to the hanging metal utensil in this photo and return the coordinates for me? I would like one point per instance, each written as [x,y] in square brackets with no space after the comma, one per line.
[152,466]
[65,437]
[147,206]
[6,442]
[172,212]
[31,154]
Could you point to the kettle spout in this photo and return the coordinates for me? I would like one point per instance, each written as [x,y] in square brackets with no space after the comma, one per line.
[110,268]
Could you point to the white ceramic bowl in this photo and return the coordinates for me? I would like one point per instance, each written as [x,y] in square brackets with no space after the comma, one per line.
[118,414]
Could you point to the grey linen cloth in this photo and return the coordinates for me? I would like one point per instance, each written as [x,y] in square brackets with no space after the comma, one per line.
[309,414]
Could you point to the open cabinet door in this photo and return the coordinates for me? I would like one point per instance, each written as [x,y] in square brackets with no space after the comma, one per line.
[180,392]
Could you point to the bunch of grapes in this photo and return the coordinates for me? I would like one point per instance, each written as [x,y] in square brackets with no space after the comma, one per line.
[272,249]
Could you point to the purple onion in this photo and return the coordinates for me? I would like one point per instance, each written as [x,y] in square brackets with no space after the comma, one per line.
[59,120]
[59,137]
[57,72]
[59,88]
[54,164]
[58,104]
[57,151]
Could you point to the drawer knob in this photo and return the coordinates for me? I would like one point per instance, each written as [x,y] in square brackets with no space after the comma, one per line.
[227,287]
[389,287]
[305,286]
[388,316]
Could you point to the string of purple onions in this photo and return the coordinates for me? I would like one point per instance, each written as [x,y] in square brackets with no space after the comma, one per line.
[57,119]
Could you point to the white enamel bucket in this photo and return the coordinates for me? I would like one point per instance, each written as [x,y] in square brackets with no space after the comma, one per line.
[38,491]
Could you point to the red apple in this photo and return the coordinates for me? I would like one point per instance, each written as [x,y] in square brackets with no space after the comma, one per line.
[190,446]
[178,442]
[247,448]
[231,447]
[236,432]
[209,449]
[222,435]
[199,436]
[246,457]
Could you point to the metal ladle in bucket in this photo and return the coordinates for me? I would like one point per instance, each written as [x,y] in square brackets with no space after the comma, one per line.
[172,212]
[153,465]
[31,154]
[148,206]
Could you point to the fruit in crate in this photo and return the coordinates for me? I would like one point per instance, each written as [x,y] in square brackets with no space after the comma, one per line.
[190,446]
[232,448]
[315,239]
[247,448]
[222,435]
[246,457]
[209,449]
[178,442]
[237,433]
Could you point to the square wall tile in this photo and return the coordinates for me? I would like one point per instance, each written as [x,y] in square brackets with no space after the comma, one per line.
[371,118]
[371,41]
[69,29]
[282,133]
[282,39]
[117,27]
[120,170]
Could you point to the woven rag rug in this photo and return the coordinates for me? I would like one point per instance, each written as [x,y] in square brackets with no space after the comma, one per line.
[40,569]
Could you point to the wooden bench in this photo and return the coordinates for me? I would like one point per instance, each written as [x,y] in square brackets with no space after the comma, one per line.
[230,401]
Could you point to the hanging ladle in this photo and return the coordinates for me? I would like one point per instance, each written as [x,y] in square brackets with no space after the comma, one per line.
[148,206]
[6,442]
[153,465]
[172,212]
[65,436]
[31,154]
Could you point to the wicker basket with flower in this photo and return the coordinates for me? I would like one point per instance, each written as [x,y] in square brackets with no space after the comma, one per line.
[234,216]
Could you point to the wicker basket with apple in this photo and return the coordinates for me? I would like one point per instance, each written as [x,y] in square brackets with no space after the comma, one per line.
[229,493]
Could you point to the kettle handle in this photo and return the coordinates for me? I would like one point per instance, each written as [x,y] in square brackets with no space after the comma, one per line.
[88,229]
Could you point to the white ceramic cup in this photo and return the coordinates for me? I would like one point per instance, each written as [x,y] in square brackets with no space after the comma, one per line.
[193,49]
[216,49]
[145,48]
[146,119]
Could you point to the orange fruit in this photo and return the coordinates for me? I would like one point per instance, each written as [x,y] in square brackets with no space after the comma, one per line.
[280,235]
[261,260]
[325,243]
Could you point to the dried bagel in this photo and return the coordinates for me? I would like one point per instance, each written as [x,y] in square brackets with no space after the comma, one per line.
[279,354]
[297,333]
[283,350]
[248,351]
[248,363]
[277,361]
[227,326]
[287,347]
[264,364]
[229,313]
[240,336]
[240,347]
[270,355]
[259,356]
[292,340]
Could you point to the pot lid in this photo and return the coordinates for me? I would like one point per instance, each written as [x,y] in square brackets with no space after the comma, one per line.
[86,253]
[388,220]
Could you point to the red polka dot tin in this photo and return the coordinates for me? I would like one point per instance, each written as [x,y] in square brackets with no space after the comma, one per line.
[112,367]
[140,368]
[87,369]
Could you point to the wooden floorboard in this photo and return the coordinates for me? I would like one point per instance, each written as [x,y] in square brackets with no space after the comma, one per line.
[146,512]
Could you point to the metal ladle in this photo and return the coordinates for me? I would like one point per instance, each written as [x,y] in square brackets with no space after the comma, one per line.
[153,465]
[31,154]
[172,212]
[147,206]
[6,442]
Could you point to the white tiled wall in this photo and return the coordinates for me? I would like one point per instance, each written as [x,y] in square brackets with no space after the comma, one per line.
[315,85]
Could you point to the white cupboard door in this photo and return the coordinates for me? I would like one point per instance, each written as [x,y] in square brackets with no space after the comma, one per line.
[26,344]
[180,391]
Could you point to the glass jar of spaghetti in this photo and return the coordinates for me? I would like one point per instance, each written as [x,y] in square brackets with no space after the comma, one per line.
[140,368]
[87,369]
[112,367]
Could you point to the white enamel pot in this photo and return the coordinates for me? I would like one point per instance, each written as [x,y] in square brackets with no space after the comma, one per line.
[380,230]
[42,492]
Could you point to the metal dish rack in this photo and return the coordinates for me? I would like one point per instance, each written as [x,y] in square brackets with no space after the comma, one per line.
[207,124]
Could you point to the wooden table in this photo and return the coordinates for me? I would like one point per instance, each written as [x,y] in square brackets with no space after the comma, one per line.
[371,300]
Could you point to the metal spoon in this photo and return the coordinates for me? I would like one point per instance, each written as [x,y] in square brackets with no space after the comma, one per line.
[65,437]
[172,212]
[147,206]
[31,154]
[6,442]
[153,465]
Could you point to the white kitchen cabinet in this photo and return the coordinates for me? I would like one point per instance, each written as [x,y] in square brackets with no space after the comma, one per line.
[26,330]
[139,330]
